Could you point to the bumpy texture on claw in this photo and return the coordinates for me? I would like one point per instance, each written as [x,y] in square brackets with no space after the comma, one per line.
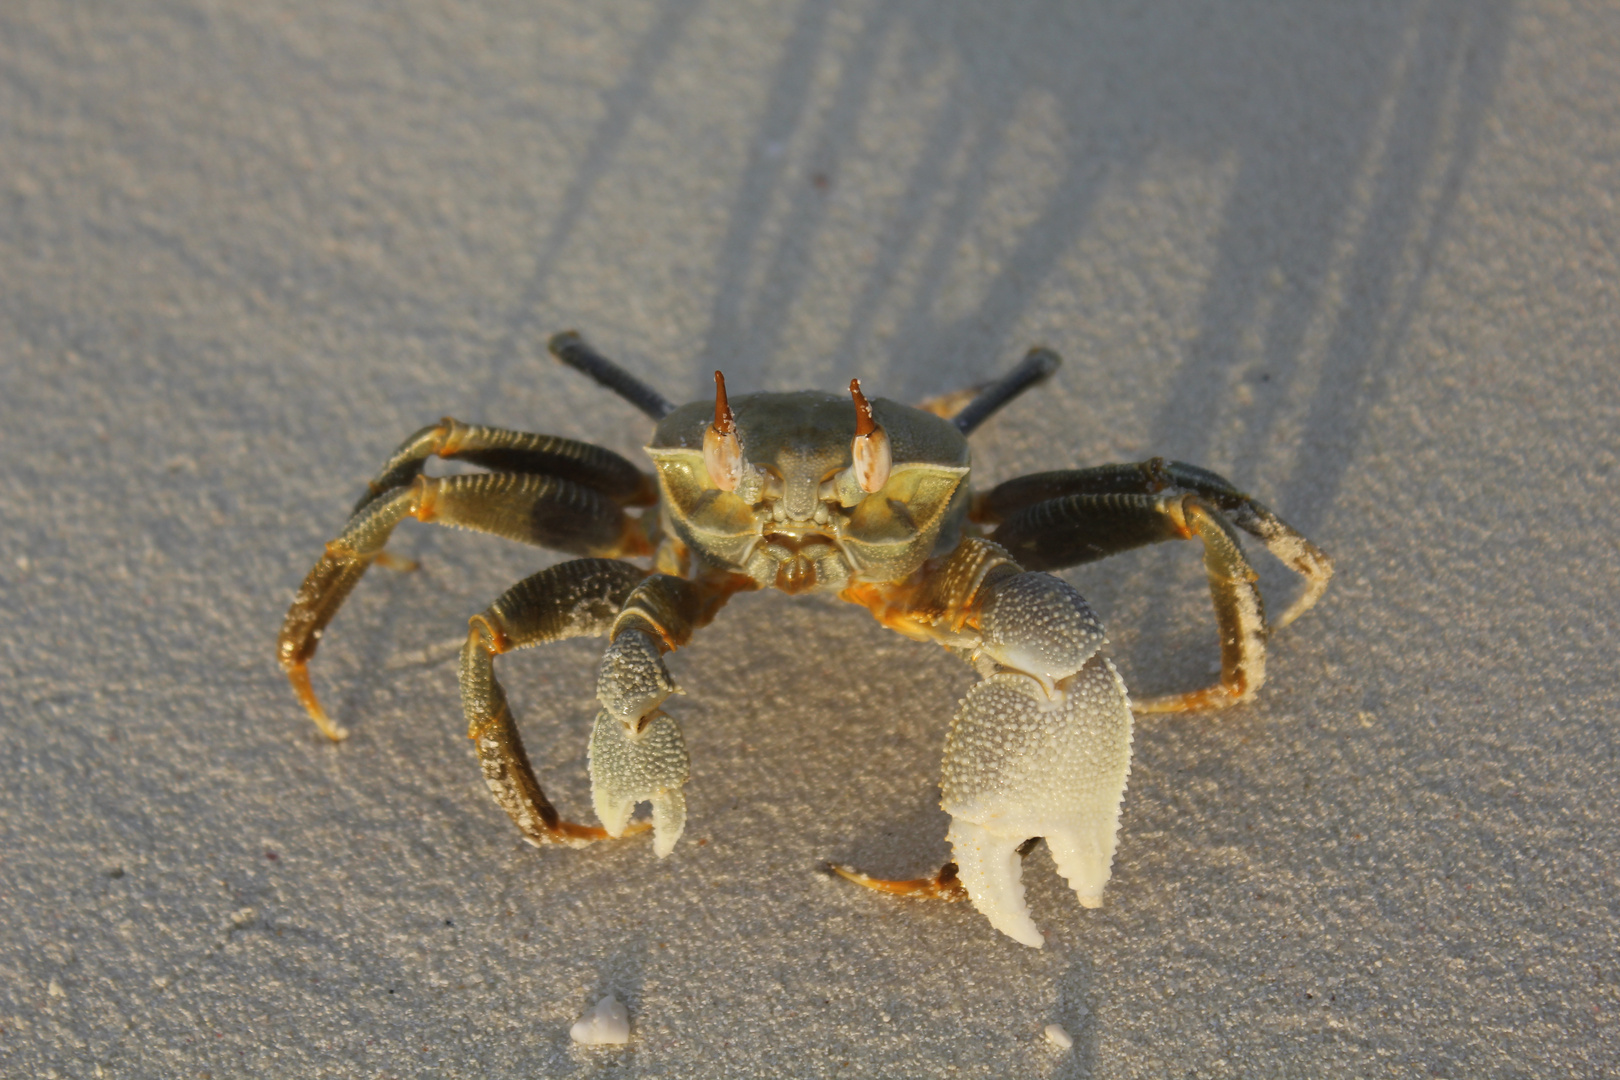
[631,767]
[1038,753]
[631,680]
[1037,625]
[637,753]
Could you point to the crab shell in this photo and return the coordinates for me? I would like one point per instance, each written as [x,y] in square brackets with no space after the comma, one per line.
[785,525]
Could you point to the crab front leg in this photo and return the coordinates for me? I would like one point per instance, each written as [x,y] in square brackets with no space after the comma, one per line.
[1041,747]
[637,753]
[573,599]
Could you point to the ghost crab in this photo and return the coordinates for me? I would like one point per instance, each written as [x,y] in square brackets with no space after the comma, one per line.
[813,492]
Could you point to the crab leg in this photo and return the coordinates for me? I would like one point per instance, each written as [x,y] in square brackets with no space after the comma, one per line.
[571,349]
[575,599]
[1052,520]
[945,885]
[1036,367]
[637,752]
[545,510]
[504,450]
[971,406]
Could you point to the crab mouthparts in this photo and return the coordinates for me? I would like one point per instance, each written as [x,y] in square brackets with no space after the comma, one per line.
[796,542]
[798,557]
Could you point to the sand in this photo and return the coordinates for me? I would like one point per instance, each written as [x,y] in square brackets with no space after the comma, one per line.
[1362,259]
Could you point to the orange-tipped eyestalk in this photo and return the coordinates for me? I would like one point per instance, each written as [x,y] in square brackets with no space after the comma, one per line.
[722,453]
[864,424]
[870,448]
[724,422]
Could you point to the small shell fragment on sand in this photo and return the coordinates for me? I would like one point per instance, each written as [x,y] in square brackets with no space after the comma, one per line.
[607,1023]
[1058,1037]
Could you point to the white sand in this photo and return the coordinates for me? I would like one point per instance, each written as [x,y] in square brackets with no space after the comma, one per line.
[1361,258]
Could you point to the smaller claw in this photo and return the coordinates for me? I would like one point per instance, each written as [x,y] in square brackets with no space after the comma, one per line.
[631,767]
[631,681]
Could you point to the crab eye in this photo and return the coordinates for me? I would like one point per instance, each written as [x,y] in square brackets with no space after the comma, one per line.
[722,453]
[870,448]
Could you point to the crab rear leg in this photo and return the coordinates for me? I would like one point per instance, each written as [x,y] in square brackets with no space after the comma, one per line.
[971,406]
[1058,519]
[1040,748]
[574,599]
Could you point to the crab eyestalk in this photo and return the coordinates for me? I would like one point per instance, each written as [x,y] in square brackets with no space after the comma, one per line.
[722,453]
[870,447]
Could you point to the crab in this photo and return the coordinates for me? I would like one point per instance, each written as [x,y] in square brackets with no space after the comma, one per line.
[814,492]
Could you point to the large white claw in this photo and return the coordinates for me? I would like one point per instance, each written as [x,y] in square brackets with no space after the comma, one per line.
[627,768]
[1020,763]
[992,871]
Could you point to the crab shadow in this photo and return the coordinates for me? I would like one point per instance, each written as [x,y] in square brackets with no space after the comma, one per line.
[1347,135]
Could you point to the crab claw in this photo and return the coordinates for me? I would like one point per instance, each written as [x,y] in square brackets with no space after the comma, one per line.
[628,767]
[631,680]
[991,869]
[1037,753]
